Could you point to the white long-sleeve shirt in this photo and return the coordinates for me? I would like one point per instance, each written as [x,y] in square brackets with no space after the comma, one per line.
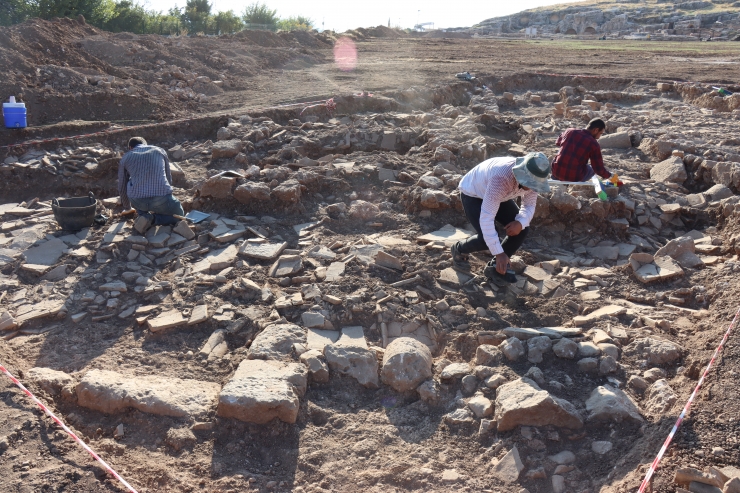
[494,182]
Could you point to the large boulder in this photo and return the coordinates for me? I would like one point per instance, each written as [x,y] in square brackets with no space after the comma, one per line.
[488,355]
[218,187]
[672,170]
[110,392]
[682,251]
[659,397]
[289,191]
[226,148]
[536,347]
[260,391]
[677,247]
[619,140]
[276,341]
[360,209]
[655,351]
[357,362]
[718,192]
[51,381]
[252,191]
[512,348]
[523,402]
[563,202]
[609,404]
[434,199]
[406,364]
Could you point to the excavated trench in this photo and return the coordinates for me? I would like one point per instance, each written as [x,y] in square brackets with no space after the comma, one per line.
[377,175]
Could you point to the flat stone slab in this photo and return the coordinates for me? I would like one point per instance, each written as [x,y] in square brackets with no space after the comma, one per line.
[604,252]
[536,274]
[334,271]
[352,337]
[610,311]
[509,467]
[287,265]
[318,339]
[110,392]
[46,308]
[7,322]
[598,272]
[222,259]
[524,334]
[114,286]
[276,341]
[262,251]
[322,253]
[312,319]
[199,314]
[560,332]
[386,260]
[521,333]
[48,253]
[662,269]
[454,277]
[260,391]
[167,320]
[447,234]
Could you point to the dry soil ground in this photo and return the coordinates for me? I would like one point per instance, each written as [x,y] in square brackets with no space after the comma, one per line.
[348,437]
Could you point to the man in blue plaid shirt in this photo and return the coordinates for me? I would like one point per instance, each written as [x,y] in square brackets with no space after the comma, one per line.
[145,182]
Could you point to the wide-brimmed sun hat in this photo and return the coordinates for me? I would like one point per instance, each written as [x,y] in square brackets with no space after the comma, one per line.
[532,171]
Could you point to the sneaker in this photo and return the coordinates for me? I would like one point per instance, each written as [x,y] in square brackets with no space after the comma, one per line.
[143,223]
[457,257]
[491,273]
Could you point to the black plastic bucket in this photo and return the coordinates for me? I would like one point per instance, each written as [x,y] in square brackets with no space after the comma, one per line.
[75,213]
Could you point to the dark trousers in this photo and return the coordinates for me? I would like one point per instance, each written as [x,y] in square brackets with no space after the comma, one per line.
[507,212]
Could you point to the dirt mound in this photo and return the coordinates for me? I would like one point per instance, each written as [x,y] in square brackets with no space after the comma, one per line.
[446,34]
[267,39]
[65,70]
[384,32]
[307,39]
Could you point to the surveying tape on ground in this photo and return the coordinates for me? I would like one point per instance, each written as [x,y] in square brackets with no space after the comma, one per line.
[69,432]
[654,465]
[329,103]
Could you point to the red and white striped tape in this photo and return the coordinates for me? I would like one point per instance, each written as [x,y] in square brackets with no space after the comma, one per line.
[148,125]
[69,432]
[654,465]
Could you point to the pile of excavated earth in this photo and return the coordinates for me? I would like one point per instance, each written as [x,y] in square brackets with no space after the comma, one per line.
[312,334]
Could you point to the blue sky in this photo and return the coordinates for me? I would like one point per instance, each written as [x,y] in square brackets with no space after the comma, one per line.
[340,15]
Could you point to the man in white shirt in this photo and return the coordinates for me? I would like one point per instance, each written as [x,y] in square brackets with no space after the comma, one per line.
[487,193]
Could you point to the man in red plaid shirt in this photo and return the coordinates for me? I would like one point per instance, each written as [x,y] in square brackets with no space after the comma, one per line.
[577,147]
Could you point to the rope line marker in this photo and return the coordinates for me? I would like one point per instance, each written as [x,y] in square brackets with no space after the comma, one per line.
[654,465]
[69,432]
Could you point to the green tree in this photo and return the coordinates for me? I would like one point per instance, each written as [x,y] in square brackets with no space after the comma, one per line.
[96,12]
[260,14]
[170,23]
[130,17]
[227,22]
[196,15]
[296,23]
[15,11]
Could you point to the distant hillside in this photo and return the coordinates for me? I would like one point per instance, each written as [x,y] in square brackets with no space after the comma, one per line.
[615,18]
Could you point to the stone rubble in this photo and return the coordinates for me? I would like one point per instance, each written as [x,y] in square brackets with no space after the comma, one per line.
[341,286]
